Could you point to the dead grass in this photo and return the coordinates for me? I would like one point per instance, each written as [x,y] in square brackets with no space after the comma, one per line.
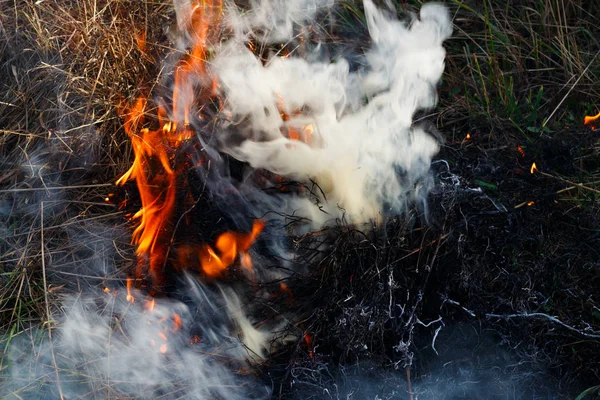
[516,73]
[65,68]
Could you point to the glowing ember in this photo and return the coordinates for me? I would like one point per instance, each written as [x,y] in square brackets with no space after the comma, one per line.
[177,323]
[195,339]
[530,203]
[106,290]
[308,340]
[533,168]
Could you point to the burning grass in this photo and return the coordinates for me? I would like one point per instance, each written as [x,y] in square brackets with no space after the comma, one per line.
[506,253]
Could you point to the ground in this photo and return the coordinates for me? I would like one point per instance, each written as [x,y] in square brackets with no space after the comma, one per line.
[493,280]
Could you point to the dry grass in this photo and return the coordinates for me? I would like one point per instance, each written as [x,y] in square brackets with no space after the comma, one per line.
[526,67]
[516,72]
[65,67]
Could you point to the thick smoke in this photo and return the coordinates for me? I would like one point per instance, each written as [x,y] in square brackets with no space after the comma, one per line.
[354,133]
[353,136]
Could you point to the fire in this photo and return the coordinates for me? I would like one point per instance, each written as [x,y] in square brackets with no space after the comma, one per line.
[163,348]
[228,245]
[150,305]
[158,170]
[156,182]
[129,297]
[140,39]
[177,322]
[589,120]
[533,168]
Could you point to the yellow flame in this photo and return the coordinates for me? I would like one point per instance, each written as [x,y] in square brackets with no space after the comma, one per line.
[533,168]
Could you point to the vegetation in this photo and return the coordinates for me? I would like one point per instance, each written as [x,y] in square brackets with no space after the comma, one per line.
[520,77]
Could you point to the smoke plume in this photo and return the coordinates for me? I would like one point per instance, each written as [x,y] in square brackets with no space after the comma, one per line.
[350,132]
[347,132]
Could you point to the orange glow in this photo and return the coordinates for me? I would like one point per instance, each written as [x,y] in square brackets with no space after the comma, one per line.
[195,339]
[150,305]
[308,340]
[530,203]
[285,289]
[228,245]
[129,297]
[163,348]
[106,290]
[521,151]
[140,39]
[177,322]
[303,134]
[468,137]
[589,120]
[160,179]
[533,168]
[156,182]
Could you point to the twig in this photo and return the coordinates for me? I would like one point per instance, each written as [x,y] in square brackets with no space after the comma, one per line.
[49,316]
[410,391]
[542,315]
[579,185]
[55,188]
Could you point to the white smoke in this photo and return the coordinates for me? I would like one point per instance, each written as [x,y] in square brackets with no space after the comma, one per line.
[108,347]
[363,151]
[273,21]
[356,142]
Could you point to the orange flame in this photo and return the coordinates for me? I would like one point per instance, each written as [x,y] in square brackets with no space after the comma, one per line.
[533,168]
[129,297]
[229,244]
[156,182]
[589,120]
[158,178]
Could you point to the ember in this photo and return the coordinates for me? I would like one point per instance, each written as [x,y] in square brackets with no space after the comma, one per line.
[533,168]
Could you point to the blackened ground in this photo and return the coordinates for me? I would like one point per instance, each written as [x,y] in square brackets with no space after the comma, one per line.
[492,294]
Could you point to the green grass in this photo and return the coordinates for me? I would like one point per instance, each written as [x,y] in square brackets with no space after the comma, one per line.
[529,67]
